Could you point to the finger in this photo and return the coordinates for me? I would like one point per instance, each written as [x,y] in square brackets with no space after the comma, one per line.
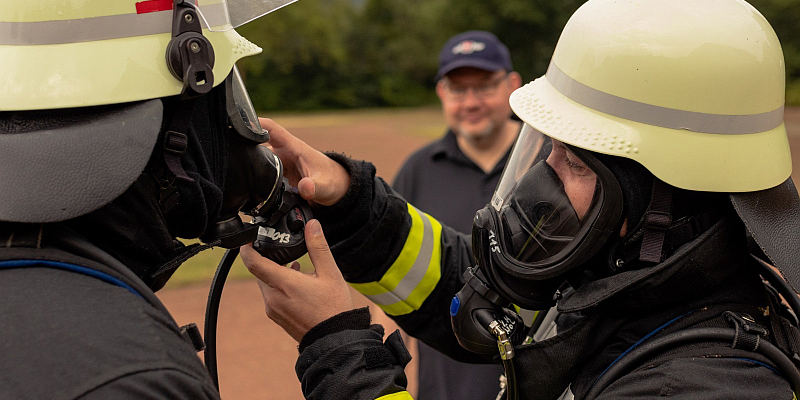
[320,252]
[263,268]
[295,266]
[278,135]
[327,180]
[307,189]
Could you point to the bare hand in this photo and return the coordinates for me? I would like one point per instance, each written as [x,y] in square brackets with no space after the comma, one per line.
[297,301]
[318,178]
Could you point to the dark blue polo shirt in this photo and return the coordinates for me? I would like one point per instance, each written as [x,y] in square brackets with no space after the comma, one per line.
[440,180]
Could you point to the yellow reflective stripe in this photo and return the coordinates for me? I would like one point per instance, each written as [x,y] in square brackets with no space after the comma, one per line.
[401,264]
[524,313]
[414,273]
[396,396]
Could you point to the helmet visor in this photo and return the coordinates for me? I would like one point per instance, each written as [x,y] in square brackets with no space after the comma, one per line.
[547,199]
[219,15]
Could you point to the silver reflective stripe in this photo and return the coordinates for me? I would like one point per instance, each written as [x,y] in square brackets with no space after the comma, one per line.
[661,116]
[417,271]
[98,28]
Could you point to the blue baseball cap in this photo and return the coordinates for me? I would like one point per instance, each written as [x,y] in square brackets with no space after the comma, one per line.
[477,49]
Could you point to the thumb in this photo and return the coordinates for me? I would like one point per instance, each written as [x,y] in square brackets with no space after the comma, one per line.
[263,268]
[320,252]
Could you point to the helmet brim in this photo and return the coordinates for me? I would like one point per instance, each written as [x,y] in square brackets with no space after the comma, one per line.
[63,172]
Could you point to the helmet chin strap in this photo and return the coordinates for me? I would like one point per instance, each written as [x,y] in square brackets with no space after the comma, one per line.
[657,221]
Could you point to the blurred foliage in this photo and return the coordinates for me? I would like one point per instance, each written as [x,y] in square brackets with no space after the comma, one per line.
[784,16]
[327,54]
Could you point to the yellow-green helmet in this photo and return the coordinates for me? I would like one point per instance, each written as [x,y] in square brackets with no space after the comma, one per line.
[692,90]
[77,53]
[91,75]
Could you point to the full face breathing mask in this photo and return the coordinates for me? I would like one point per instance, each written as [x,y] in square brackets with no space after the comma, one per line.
[555,206]
[254,182]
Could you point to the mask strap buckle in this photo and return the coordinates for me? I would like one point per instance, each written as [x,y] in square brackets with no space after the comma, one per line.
[657,221]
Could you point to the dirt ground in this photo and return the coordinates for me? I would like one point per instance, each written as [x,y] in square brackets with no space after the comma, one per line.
[255,357]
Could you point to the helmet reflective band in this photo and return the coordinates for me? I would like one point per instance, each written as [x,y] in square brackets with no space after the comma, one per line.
[77,53]
[694,91]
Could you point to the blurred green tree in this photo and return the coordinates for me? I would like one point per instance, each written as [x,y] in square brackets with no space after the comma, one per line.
[322,54]
[784,16]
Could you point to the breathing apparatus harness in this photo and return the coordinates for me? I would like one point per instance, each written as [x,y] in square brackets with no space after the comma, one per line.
[254,181]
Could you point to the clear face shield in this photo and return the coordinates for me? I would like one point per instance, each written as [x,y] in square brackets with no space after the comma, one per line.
[554,207]
[224,15]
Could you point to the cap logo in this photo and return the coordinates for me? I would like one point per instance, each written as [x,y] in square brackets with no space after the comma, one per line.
[468,47]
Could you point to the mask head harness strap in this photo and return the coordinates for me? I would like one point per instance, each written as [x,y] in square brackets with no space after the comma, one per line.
[190,58]
[657,221]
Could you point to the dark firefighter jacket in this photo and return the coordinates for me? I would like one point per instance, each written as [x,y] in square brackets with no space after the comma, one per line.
[77,324]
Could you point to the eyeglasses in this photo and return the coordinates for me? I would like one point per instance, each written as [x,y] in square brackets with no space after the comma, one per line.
[459,92]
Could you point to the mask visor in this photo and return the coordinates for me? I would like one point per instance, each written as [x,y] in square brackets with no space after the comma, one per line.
[241,113]
[547,203]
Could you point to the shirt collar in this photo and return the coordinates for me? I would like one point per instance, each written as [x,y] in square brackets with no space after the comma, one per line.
[448,148]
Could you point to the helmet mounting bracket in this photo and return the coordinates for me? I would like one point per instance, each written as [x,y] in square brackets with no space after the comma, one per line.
[190,56]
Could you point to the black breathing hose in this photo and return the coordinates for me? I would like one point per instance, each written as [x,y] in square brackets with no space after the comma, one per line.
[784,364]
[212,311]
[511,380]
[506,349]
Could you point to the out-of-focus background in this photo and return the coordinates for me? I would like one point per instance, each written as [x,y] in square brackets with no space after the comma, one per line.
[356,76]
[344,54]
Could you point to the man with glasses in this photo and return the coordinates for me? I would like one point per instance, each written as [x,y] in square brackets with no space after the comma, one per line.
[454,176]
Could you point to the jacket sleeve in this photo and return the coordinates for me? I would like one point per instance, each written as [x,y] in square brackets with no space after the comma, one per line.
[402,259]
[346,358]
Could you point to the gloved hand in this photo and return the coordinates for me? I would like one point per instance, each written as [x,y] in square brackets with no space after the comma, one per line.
[295,300]
[318,178]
